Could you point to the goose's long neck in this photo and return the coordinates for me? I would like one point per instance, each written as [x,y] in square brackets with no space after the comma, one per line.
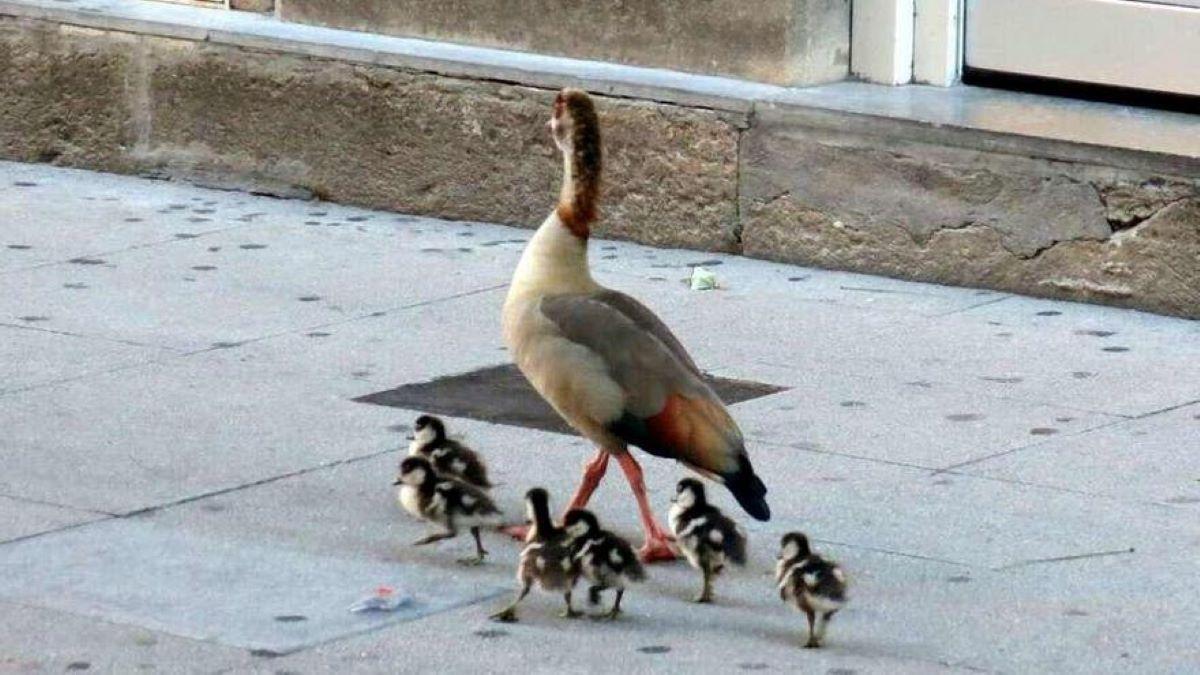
[581,185]
[555,261]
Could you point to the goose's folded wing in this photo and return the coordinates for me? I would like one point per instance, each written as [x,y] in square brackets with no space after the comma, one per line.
[668,408]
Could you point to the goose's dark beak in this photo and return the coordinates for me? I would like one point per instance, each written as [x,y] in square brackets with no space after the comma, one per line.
[397,481]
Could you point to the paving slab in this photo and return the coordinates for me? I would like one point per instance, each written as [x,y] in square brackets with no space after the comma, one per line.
[996,510]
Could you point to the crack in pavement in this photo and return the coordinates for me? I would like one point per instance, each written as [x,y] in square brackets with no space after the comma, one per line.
[148,510]
[360,317]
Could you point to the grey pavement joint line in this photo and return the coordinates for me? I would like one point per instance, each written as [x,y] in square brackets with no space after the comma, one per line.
[1036,444]
[881,332]
[148,510]
[56,530]
[176,353]
[1065,558]
[1168,409]
[83,376]
[125,249]
[953,472]
[262,481]
[885,291]
[107,621]
[1053,488]
[902,554]
[832,453]
[963,310]
[360,317]
[87,336]
[43,502]
[1054,404]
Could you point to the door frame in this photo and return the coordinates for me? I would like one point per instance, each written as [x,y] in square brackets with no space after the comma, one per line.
[902,41]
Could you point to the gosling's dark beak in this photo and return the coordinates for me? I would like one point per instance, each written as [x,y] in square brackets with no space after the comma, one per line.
[397,481]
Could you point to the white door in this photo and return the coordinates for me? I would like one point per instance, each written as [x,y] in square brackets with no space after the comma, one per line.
[1144,44]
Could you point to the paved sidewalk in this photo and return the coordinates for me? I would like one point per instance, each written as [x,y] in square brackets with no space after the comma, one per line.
[188,485]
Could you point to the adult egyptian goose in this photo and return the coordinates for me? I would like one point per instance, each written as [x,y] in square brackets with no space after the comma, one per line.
[604,361]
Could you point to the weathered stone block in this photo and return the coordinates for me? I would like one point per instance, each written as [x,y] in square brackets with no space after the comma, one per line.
[778,41]
[253,5]
[855,201]
[433,145]
[62,95]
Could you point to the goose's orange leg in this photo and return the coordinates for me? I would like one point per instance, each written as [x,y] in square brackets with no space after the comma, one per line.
[658,543]
[593,472]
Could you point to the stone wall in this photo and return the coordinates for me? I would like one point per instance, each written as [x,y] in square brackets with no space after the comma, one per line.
[372,136]
[831,190]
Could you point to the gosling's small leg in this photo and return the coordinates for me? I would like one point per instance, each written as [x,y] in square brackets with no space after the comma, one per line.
[570,612]
[509,613]
[706,595]
[616,608]
[812,643]
[480,552]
